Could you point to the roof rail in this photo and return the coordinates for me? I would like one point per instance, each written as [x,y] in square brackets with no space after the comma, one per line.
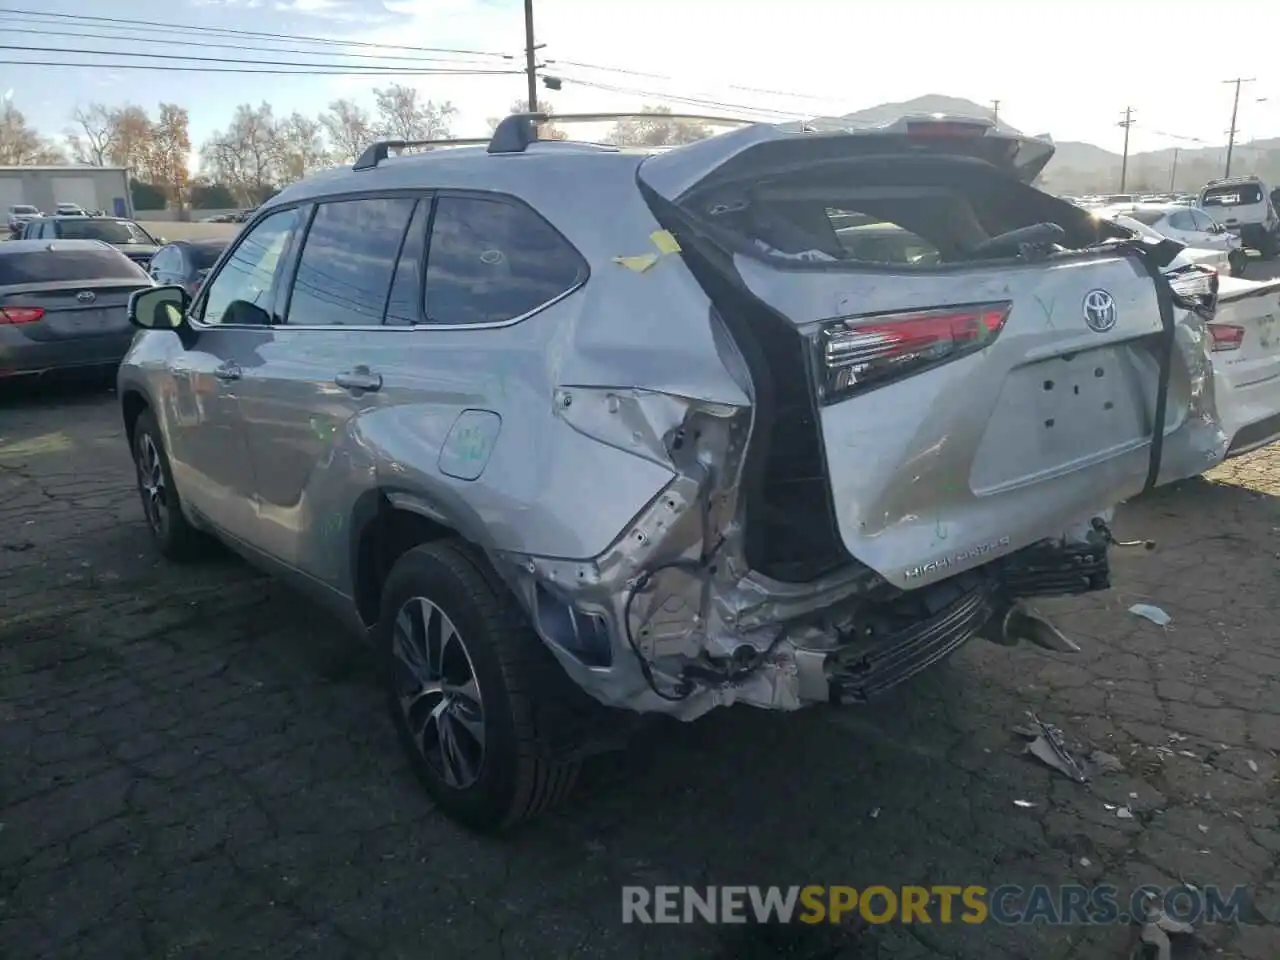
[516,132]
[375,153]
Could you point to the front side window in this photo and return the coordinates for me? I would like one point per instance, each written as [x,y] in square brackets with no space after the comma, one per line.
[493,260]
[1181,220]
[348,258]
[240,293]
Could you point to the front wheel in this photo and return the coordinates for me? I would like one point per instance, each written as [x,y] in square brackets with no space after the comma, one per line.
[1238,261]
[464,672]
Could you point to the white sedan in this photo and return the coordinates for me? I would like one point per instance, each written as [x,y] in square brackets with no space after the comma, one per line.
[1217,248]
[1246,362]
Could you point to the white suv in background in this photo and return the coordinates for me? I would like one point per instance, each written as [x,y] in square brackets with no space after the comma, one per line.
[1245,206]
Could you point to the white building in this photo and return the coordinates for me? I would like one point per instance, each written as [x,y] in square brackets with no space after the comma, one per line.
[93,188]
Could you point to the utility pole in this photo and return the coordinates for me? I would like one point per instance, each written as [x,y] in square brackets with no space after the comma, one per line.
[1127,122]
[530,57]
[1235,109]
[1173,174]
[995,112]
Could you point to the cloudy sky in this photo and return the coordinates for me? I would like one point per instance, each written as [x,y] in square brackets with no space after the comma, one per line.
[1067,69]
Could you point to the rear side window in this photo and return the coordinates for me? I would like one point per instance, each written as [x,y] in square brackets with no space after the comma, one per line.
[493,260]
[46,266]
[404,306]
[348,259]
[1241,194]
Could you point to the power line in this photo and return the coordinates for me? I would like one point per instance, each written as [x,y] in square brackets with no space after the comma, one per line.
[695,101]
[198,59]
[239,46]
[335,72]
[184,28]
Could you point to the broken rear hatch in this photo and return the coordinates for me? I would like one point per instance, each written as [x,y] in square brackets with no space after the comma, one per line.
[983,361]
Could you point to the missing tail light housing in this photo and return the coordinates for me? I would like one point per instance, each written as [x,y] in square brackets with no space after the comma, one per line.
[1226,337]
[15,315]
[856,354]
[1195,288]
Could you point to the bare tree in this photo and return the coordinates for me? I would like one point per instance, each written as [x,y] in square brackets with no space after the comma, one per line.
[404,115]
[167,162]
[547,131]
[301,147]
[131,139]
[21,143]
[655,129]
[246,155]
[349,129]
[93,136]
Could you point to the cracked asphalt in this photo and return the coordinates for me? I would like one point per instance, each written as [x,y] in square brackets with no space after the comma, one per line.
[193,763]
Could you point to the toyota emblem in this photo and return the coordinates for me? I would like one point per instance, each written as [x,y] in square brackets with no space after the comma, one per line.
[86,296]
[1099,310]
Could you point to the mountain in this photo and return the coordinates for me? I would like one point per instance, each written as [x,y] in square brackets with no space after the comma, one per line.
[1086,168]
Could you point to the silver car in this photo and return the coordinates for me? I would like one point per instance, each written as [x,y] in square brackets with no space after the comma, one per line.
[573,434]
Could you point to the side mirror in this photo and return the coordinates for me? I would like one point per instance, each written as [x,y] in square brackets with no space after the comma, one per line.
[161,241]
[160,308]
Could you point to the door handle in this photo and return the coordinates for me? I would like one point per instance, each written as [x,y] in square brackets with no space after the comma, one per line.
[359,379]
[228,371]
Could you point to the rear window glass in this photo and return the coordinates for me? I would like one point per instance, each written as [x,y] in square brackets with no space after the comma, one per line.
[110,231]
[1147,218]
[48,266]
[1239,195]
[206,257]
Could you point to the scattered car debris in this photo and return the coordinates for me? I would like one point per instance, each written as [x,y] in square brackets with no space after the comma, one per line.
[1157,928]
[1152,613]
[1024,804]
[1050,748]
[875,813]
[1253,765]
[1125,812]
[1086,862]
[1202,828]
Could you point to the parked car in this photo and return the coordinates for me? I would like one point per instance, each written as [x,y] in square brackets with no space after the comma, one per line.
[20,214]
[1206,241]
[1246,360]
[185,262]
[1244,205]
[691,454]
[125,235]
[64,306]
[70,210]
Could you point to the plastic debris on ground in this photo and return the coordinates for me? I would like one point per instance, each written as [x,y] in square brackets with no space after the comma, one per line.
[1149,612]
[1157,929]
[1049,746]
[1024,804]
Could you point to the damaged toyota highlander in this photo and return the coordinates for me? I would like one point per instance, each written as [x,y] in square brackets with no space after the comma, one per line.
[572,434]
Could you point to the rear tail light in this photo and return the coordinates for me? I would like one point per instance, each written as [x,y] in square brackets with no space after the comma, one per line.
[20,314]
[860,353]
[1226,336]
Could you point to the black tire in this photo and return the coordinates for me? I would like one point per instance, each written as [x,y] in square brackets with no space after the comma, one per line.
[176,538]
[1269,246]
[516,778]
[1239,261]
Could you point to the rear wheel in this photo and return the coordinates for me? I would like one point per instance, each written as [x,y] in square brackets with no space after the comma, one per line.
[464,672]
[1239,261]
[1269,246]
[175,537]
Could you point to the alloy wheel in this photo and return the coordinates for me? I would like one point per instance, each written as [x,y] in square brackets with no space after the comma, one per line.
[437,691]
[155,500]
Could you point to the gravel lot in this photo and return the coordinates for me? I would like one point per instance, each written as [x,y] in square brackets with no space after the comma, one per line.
[195,764]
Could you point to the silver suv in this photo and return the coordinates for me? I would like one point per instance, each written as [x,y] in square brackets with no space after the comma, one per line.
[573,434]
